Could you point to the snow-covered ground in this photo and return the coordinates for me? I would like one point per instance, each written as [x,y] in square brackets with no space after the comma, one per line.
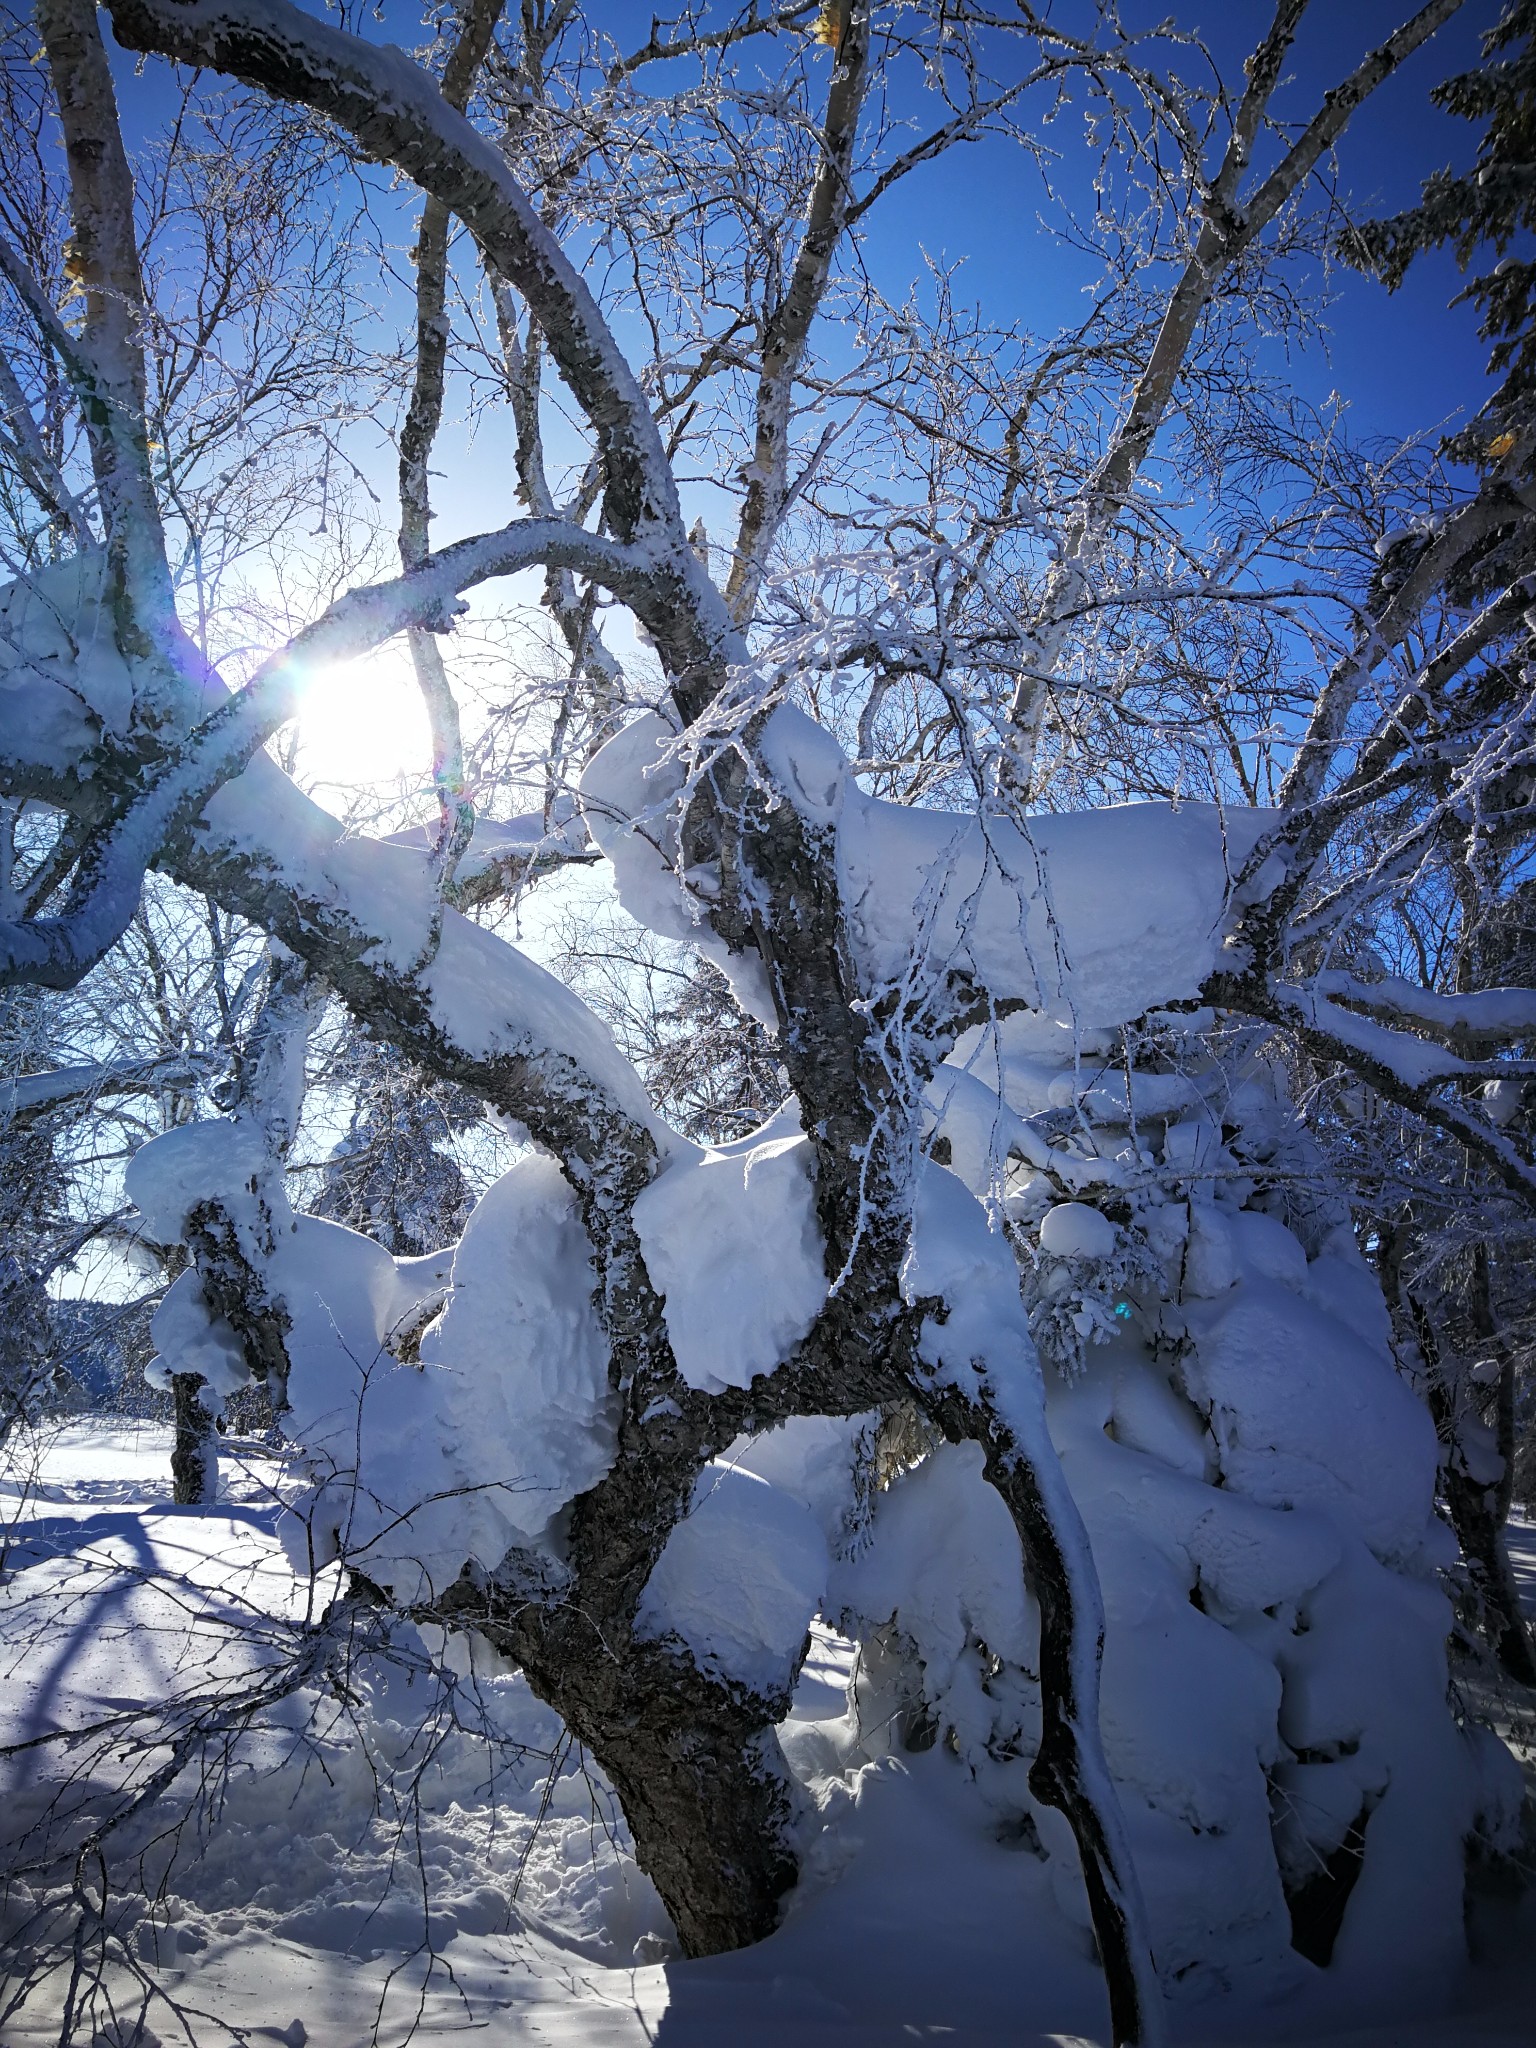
[392,1852]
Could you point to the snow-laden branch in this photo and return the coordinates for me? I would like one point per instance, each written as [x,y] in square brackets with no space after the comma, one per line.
[56,952]
[1400,1067]
[31,1096]
[1484,1016]
[1414,1063]
[1495,507]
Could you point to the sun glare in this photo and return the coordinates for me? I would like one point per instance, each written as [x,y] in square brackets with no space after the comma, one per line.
[363,722]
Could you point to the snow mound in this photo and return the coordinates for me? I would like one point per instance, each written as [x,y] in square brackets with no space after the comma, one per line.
[63,683]
[630,791]
[519,1349]
[942,1562]
[811,1457]
[420,1469]
[413,1466]
[739,1580]
[1073,1230]
[1091,918]
[1305,1415]
[183,1329]
[222,1161]
[731,1240]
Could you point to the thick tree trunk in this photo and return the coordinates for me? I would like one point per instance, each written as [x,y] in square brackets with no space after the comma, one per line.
[707,1797]
[1475,1518]
[1476,1501]
[695,1763]
[194,1454]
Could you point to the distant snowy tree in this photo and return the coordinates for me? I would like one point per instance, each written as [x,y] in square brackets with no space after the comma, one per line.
[709,1065]
[391,1175]
[26,1348]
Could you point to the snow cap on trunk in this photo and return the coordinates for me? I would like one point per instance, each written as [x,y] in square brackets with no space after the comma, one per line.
[1091,917]
[731,1241]
[739,1580]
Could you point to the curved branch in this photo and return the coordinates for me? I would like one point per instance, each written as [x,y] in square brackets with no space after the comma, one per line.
[31,1096]
[57,952]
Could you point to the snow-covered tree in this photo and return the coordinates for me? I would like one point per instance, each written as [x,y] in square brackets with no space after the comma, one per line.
[1035,1237]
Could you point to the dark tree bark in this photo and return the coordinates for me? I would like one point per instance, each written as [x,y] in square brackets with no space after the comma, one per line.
[1476,1502]
[194,1451]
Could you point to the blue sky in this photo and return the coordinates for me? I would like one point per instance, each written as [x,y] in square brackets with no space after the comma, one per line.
[1403,362]
[1406,363]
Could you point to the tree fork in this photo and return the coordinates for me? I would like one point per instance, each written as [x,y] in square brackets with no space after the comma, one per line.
[1069,1772]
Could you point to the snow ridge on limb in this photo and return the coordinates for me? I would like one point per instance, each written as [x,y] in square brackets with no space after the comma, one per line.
[56,952]
[358,911]
[1473,1016]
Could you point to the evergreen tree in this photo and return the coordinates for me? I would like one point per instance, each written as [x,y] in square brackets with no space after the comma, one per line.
[390,1176]
[1479,212]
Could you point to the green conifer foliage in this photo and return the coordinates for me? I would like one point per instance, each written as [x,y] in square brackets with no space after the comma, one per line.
[1485,210]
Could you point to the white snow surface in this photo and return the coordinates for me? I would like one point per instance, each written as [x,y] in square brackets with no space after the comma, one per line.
[1307,1416]
[731,1241]
[740,1579]
[811,1457]
[299,1913]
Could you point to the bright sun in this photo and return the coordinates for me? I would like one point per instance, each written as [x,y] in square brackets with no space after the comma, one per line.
[363,722]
